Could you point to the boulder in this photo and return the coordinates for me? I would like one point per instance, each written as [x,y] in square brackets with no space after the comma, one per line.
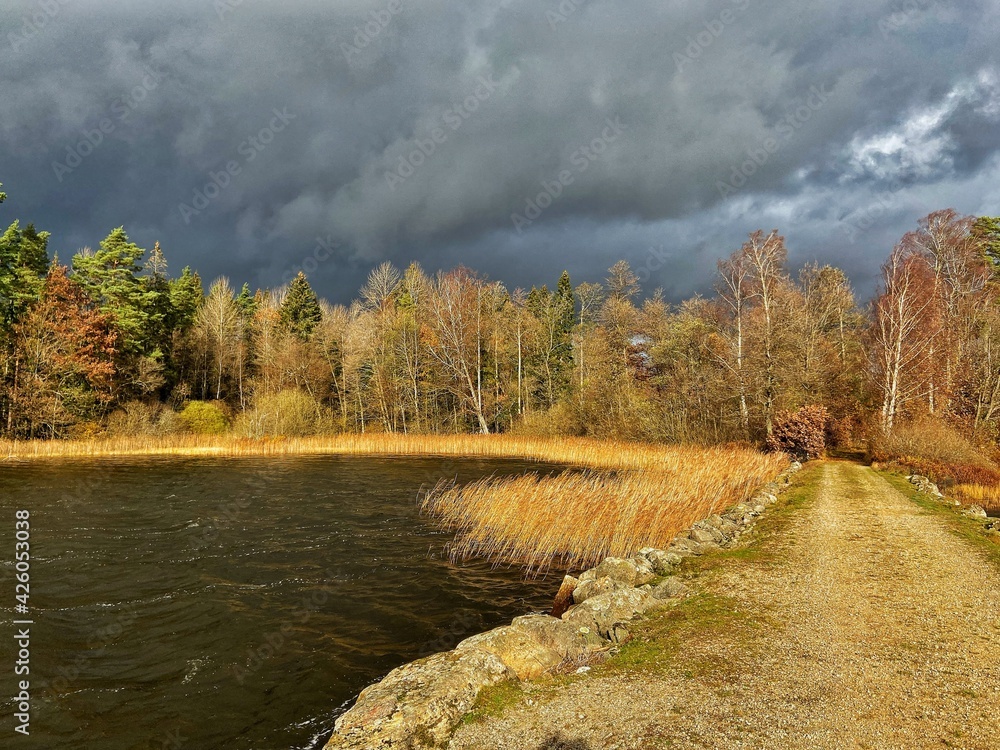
[619,569]
[644,572]
[533,645]
[703,535]
[419,703]
[663,562]
[587,575]
[974,511]
[606,613]
[597,587]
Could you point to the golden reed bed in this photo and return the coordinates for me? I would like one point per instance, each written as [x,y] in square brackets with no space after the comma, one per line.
[985,496]
[627,495]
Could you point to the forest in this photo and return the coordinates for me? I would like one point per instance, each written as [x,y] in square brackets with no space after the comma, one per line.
[112,343]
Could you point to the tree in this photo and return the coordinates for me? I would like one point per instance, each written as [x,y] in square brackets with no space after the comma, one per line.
[111,278]
[221,328]
[986,232]
[765,258]
[300,312]
[186,295]
[457,310]
[904,325]
[65,362]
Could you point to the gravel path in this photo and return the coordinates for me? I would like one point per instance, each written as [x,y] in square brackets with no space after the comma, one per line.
[885,633]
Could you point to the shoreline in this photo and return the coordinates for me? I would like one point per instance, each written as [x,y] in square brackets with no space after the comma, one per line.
[572,451]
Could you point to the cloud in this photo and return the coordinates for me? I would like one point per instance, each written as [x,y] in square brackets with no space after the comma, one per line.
[495,99]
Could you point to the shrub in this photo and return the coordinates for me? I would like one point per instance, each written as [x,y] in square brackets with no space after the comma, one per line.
[291,413]
[204,417]
[134,418]
[801,433]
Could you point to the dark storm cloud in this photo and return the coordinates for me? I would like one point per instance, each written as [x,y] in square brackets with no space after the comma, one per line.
[516,137]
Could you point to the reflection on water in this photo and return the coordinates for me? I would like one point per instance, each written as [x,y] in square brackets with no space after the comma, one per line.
[234,603]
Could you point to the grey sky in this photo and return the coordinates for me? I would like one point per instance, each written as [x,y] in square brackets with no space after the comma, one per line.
[657,132]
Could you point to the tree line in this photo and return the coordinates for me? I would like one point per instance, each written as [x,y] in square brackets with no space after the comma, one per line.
[112,342]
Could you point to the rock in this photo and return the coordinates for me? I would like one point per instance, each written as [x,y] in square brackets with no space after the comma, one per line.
[604,612]
[644,572]
[668,589]
[564,596]
[993,525]
[663,562]
[726,525]
[701,535]
[597,587]
[535,644]
[587,575]
[418,703]
[974,511]
[688,547]
[619,569]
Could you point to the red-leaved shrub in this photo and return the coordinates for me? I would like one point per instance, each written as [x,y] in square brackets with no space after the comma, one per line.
[801,433]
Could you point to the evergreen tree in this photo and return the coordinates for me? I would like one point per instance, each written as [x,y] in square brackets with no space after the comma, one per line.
[986,230]
[300,312]
[186,295]
[159,305]
[23,265]
[111,278]
[247,302]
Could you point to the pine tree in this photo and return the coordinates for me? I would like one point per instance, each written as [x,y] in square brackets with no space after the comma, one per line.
[111,277]
[986,230]
[247,302]
[186,295]
[300,312]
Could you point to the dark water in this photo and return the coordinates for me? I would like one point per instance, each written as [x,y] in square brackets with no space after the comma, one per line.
[210,603]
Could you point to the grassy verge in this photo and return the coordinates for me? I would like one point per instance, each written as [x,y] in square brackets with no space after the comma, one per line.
[666,641]
[964,527]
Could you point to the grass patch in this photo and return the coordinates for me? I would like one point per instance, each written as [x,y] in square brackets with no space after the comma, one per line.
[494,700]
[964,527]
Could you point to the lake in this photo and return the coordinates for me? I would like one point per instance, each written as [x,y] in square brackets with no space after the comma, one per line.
[234,603]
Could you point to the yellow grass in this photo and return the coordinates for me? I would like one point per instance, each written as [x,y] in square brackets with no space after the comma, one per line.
[620,497]
[986,496]
[577,518]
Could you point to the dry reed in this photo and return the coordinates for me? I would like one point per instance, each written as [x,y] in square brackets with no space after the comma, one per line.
[620,497]
[576,518]
[986,496]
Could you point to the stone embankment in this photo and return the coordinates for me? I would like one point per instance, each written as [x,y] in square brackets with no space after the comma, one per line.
[419,704]
[925,485]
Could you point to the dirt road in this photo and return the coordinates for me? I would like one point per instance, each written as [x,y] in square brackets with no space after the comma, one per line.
[871,625]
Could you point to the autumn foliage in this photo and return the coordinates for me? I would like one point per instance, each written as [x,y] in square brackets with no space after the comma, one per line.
[801,433]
